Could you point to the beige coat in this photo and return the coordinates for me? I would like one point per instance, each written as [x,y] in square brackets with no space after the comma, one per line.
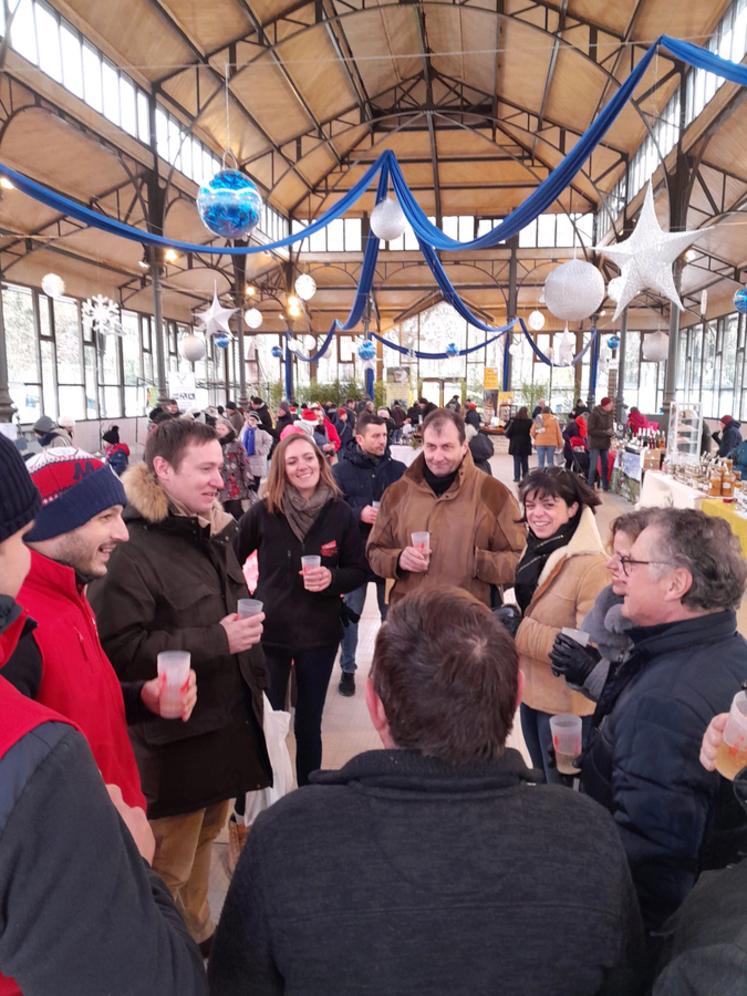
[549,434]
[475,537]
[568,586]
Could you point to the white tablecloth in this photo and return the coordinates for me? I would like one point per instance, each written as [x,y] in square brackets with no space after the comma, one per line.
[405,454]
[662,491]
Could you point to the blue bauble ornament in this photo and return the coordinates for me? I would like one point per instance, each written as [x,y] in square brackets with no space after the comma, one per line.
[276,352]
[613,342]
[367,350]
[452,349]
[221,340]
[740,300]
[229,204]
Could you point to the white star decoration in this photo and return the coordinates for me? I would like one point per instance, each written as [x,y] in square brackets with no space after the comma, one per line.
[215,318]
[645,259]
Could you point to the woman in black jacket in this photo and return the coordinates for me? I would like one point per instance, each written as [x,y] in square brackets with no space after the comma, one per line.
[302,515]
[520,442]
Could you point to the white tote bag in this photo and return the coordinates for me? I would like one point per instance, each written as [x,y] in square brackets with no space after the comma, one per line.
[276,724]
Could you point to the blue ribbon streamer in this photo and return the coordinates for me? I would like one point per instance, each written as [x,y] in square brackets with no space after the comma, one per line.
[540,199]
[546,359]
[422,355]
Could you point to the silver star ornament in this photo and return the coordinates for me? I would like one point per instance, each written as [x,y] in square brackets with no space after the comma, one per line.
[645,259]
[215,318]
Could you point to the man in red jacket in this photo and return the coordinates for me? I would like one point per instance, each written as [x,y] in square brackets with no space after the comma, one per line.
[61,662]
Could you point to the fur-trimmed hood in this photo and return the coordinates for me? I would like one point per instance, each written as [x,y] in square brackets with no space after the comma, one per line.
[147,499]
[586,540]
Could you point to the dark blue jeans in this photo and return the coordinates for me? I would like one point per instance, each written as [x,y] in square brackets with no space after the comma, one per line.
[535,726]
[521,466]
[313,671]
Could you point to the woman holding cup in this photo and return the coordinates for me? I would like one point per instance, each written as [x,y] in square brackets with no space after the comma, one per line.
[310,553]
[558,579]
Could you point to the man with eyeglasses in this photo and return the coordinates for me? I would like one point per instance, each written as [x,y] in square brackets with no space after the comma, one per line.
[685,577]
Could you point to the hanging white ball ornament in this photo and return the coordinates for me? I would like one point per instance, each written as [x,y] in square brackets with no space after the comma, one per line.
[253,318]
[388,221]
[656,347]
[53,285]
[192,348]
[536,321]
[574,290]
[305,286]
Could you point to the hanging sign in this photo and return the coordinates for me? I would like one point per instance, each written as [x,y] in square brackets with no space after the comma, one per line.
[490,379]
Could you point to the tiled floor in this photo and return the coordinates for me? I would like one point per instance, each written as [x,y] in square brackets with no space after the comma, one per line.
[346,727]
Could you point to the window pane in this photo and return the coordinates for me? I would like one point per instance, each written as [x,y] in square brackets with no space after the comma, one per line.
[143,119]
[92,77]
[72,401]
[335,236]
[127,102]
[109,359]
[131,353]
[23,362]
[48,381]
[162,133]
[92,407]
[69,345]
[110,82]
[110,402]
[49,50]
[352,234]
[72,68]
[23,31]
[546,230]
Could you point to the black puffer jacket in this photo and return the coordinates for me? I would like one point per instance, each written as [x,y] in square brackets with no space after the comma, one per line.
[168,589]
[297,618]
[517,434]
[674,817]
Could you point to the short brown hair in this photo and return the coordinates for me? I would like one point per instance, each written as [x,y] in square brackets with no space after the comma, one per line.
[365,419]
[171,438]
[438,418]
[277,481]
[446,672]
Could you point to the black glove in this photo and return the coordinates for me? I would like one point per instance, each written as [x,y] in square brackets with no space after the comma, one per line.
[569,660]
[509,616]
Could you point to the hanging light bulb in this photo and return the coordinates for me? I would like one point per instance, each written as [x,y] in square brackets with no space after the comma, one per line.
[171,255]
[536,321]
[305,286]
[294,308]
[250,290]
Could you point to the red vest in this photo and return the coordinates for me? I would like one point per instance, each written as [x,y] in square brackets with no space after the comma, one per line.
[18,716]
[78,680]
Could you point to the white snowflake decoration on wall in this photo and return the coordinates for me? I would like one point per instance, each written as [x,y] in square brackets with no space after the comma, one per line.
[101,314]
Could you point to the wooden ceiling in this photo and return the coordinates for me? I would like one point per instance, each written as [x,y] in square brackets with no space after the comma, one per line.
[479,99]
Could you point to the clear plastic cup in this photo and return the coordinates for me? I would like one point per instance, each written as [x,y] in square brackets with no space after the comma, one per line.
[310,563]
[376,504]
[175,665]
[249,607]
[422,542]
[566,741]
[731,756]
[579,635]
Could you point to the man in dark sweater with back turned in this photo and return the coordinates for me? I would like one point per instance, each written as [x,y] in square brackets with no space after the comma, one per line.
[458,873]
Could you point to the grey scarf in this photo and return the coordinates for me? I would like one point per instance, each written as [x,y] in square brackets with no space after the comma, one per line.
[301,512]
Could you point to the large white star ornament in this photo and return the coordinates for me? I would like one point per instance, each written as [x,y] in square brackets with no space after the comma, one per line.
[215,318]
[645,259]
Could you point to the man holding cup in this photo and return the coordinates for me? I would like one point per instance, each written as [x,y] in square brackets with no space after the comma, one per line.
[175,587]
[686,576]
[60,662]
[363,475]
[474,538]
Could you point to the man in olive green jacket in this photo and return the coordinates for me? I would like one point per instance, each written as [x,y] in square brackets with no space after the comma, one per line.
[475,536]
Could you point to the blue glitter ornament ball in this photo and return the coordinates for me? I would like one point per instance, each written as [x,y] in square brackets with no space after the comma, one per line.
[740,300]
[367,350]
[276,352]
[229,204]
[613,342]
[221,340]
[452,349]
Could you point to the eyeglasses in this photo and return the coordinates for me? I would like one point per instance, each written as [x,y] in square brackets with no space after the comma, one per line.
[627,562]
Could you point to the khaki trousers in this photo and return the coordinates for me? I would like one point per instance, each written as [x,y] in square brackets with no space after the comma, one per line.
[182,859]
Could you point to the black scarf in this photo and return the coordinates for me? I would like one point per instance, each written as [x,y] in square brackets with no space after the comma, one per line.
[439,485]
[536,556]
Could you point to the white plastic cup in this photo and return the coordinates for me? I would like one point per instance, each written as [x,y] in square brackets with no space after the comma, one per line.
[376,504]
[579,635]
[566,741]
[422,542]
[731,756]
[310,563]
[175,665]
[249,607]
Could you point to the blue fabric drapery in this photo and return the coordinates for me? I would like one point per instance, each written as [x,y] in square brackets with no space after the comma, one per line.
[543,358]
[538,201]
